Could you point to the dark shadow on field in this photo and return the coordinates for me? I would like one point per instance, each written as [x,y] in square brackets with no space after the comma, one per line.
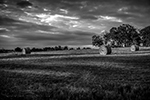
[111,84]
[31,55]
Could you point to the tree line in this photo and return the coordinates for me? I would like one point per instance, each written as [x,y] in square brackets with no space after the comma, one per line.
[34,49]
[123,36]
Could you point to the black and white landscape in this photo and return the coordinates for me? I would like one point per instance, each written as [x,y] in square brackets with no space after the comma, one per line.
[75,49]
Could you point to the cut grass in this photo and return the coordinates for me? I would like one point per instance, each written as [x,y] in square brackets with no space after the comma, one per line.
[68,77]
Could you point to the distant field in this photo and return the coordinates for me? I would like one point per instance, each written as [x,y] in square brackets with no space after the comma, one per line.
[76,75]
[115,51]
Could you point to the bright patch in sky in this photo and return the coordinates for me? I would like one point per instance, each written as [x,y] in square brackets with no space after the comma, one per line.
[4,29]
[46,32]
[109,18]
[5,36]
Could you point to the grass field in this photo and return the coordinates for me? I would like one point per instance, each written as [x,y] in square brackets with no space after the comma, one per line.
[76,75]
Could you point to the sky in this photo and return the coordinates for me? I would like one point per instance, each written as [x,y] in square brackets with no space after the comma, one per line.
[45,23]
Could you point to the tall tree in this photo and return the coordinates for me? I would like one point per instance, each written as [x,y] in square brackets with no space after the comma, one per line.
[97,40]
[124,34]
[145,35]
[114,35]
[18,49]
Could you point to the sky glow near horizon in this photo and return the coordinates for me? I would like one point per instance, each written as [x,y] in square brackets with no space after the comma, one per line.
[40,23]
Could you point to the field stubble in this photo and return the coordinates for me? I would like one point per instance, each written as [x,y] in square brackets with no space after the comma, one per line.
[76,75]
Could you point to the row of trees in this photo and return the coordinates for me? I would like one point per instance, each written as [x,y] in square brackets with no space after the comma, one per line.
[18,49]
[5,50]
[124,35]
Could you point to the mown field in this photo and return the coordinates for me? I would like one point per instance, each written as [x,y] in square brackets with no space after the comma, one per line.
[76,75]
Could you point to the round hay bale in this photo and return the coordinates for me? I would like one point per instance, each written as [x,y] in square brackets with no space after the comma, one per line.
[123,45]
[26,51]
[134,48]
[141,44]
[105,50]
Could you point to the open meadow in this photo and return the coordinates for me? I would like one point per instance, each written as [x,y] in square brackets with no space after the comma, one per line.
[76,75]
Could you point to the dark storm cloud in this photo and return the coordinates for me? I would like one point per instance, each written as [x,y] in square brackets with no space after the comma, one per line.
[139,2]
[84,2]
[65,36]
[52,22]
[101,7]
[2,2]
[90,17]
[70,3]
[41,40]
[7,21]
[24,4]
[111,1]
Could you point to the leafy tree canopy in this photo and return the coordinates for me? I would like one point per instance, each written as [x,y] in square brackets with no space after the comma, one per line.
[145,35]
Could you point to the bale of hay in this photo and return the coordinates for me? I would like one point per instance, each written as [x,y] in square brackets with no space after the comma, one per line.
[123,45]
[26,51]
[141,44]
[134,48]
[105,50]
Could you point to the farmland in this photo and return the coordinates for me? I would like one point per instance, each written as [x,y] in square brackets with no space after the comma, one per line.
[76,75]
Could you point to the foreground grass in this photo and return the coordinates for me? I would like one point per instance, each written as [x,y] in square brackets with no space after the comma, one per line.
[124,77]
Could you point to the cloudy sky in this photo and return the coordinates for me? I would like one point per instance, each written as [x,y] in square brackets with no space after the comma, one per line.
[40,23]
